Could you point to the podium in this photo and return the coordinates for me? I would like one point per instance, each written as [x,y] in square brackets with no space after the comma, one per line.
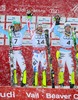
[37,93]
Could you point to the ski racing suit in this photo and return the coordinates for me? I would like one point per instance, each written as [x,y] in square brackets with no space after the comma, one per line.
[39,57]
[17,38]
[66,43]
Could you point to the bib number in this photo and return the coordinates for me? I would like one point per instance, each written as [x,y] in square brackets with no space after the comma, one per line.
[68,42]
[40,42]
[15,41]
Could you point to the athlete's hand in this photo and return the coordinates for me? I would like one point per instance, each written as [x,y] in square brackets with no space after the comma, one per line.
[57,19]
[29,13]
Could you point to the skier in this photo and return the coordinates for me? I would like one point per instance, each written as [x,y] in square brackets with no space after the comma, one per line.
[17,36]
[64,55]
[39,50]
[39,54]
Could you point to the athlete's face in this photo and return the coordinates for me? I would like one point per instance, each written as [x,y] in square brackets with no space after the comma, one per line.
[68,28]
[39,30]
[17,27]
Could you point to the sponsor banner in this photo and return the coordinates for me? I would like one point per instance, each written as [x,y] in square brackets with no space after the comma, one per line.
[63,20]
[7,42]
[32,26]
[55,43]
[33,20]
[2,18]
[10,93]
[72,20]
[11,18]
[43,19]
[26,42]
[1,41]
[46,26]
[2,25]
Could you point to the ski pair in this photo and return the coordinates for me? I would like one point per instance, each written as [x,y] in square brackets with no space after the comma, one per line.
[76,49]
[47,37]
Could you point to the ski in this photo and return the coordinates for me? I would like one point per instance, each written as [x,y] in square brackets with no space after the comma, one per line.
[49,58]
[11,54]
[76,51]
[47,36]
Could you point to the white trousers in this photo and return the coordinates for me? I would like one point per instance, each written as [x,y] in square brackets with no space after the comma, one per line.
[18,57]
[66,58]
[39,57]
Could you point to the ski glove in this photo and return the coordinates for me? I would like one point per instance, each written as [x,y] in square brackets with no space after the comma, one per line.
[57,19]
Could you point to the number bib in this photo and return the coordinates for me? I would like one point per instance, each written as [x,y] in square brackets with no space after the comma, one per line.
[38,40]
[66,41]
[17,39]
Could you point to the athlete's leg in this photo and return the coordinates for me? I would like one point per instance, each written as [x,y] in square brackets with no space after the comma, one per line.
[35,64]
[44,66]
[21,62]
[14,69]
[70,65]
[61,68]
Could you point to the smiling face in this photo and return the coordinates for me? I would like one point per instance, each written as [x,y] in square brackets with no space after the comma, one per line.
[17,27]
[39,29]
[67,29]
